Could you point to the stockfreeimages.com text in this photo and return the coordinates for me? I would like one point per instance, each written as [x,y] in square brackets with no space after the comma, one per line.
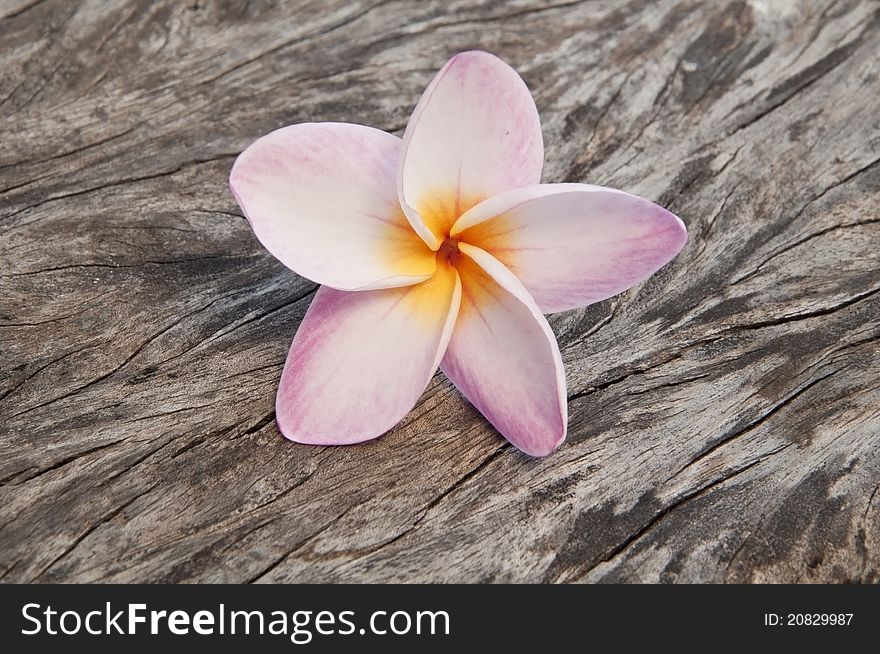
[300,626]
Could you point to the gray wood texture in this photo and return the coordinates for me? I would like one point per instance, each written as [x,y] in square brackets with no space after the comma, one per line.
[725,415]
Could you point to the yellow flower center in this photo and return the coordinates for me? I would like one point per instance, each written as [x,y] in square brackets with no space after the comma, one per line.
[440,209]
[449,251]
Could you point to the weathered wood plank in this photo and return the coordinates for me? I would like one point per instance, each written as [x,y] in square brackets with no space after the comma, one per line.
[725,415]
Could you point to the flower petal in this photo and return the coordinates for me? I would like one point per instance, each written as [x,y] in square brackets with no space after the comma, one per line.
[360,361]
[574,244]
[475,132]
[321,198]
[503,356]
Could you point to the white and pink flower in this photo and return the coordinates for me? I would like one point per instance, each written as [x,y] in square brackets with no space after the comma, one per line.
[440,249]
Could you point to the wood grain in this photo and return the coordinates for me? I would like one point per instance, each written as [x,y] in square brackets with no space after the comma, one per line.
[725,415]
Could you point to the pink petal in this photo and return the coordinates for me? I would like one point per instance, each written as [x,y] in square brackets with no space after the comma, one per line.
[474,133]
[503,356]
[360,361]
[321,197]
[573,244]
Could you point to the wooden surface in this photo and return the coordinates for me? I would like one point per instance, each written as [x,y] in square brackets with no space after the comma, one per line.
[725,415]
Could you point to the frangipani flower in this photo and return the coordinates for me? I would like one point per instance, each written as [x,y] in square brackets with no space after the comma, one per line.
[440,249]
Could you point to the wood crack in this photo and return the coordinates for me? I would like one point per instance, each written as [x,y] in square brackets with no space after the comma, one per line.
[790,88]
[799,242]
[436,501]
[63,462]
[299,545]
[752,424]
[667,510]
[66,153]
[113,266]
[124,363]
[122,182]
[818,313]
[23,9]
[300,39]
[101,521]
